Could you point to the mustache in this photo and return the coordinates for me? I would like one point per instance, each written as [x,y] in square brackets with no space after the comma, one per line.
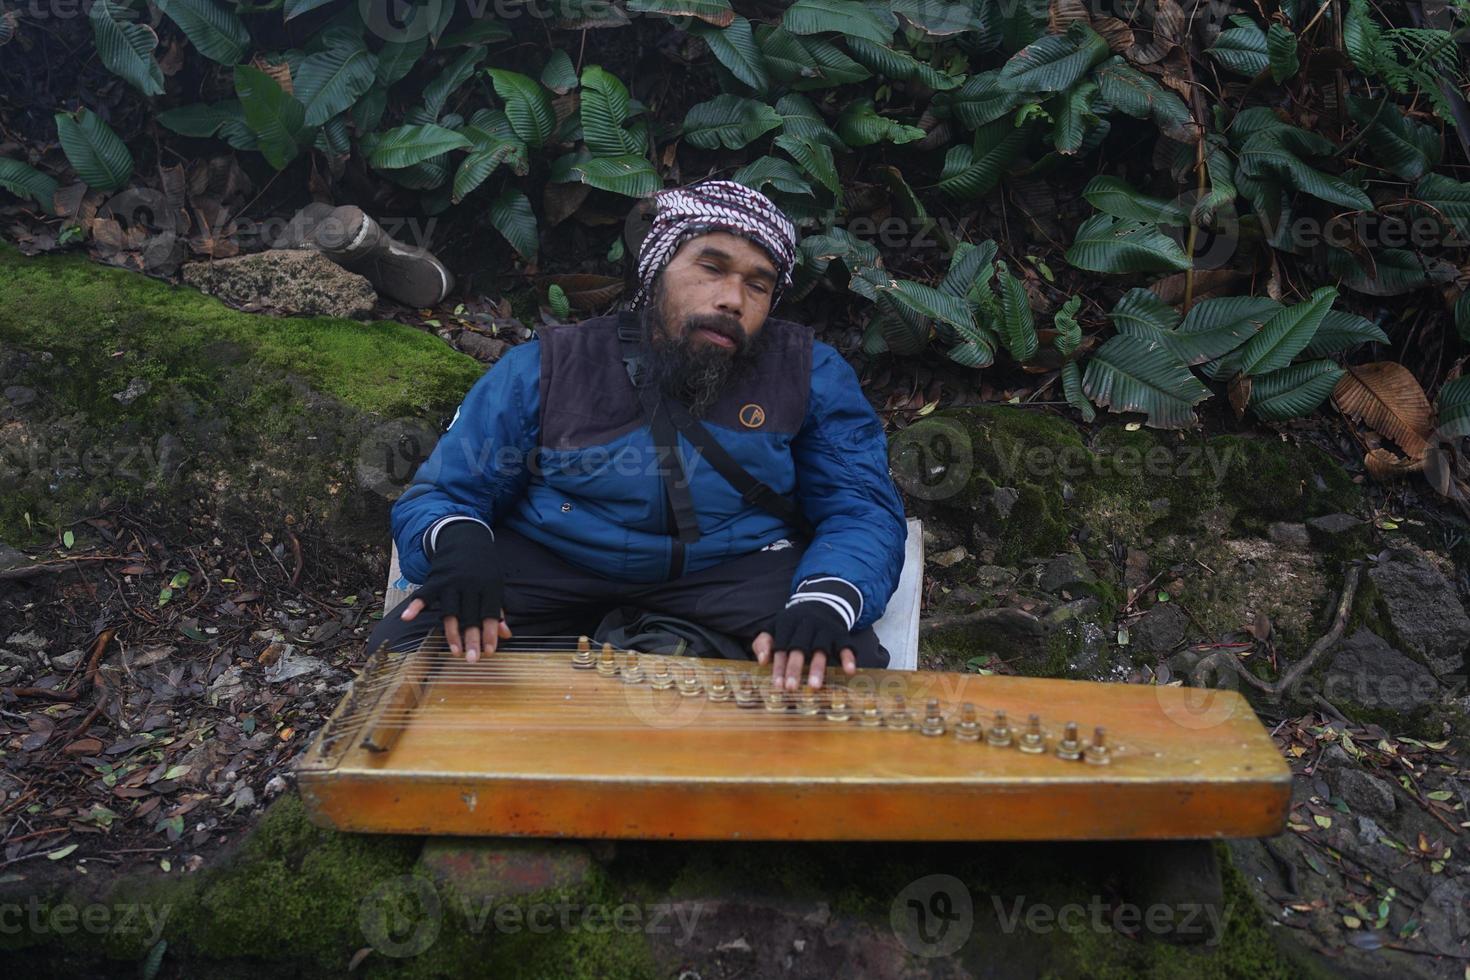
[725,326]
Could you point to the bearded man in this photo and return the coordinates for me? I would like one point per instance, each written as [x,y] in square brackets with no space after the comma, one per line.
[691,456]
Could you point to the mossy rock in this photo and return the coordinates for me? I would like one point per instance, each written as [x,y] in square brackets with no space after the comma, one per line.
[142,391]
[1268,480]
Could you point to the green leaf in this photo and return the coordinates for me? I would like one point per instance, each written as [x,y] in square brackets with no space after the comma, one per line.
[808,62]
[730,121]
[970,268]
[96,153]
[1118,245]
[605,107]
[1133,374]
[715,12]
[1016,326]
[1286,334]
[1141,313]
[1226,322]
[774,171]
[126,47]
[274,116]
[404,146]
[295,8]
[815,158]
[980,100]
[1113,196]
[559,74]
[1267,154]
[68,539]
[1453,407]
[219,34]
[330,81]
[527,105]
[1407,148]
[1341,330]
[512,216]
[899,66]
[61,852]
[837,17]
[800,118]
[1242,48]
[859,125]
[630,176]
[1072,391]
[23,180]
[970,172]
[1056,62]
[735,48]
[438,91]
[1069,331]
[489,152]
[397,58]
[1074,117]
[1293,392]
[1281,52]
[1136,94]
[486,30]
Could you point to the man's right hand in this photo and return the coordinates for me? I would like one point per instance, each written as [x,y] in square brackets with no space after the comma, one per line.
[465,578]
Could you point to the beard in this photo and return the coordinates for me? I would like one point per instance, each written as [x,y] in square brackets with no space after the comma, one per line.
[694,371]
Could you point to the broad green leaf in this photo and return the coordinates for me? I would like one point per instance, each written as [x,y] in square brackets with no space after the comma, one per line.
[1242,48]
[1074,117]
[1069,331]
[512,216]
[482,161]
[486,30]
[1453,408]
[735,48]
[859,124]
[559,74]
[971,171]
[527,105]
[1229,320]
[23,180]
[727,120]
[1281,52]
[1016,326]
[714,12]
[801,119]
[330,81]
[899,66]
[333,138]
[1113,196]
[397,58]
[1286,334]
[1136,94]
[970,268]
[814,158]
[1266,154]
[1393,271]
[980,100]
[1340,331]
[807,62]
[1119,245]
[1449,199]
[943,18]
[836,17]
[217,32]
[605,106]
[1141,311]
[630,176]
[405,146]
[1134,374]
[1293,392]
[1056,62]
[295,8]
[96,153]
[774,171]
[1073,392]
[1407,148]
[459,71]
[276,118]
[125,47]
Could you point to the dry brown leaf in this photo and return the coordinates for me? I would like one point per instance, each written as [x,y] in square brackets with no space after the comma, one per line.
[561,201]
[1117,33]
[1063,13]
[1240,394]
[1207,283]
[565,105]
[1166,33]
[281,73]
[1389,399]
[1384,464]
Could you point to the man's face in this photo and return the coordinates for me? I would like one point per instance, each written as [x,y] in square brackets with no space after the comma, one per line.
[717,290]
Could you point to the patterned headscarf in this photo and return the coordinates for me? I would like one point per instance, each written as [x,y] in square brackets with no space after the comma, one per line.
[714,205]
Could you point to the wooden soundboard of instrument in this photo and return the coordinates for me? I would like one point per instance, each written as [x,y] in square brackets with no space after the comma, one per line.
[571,741]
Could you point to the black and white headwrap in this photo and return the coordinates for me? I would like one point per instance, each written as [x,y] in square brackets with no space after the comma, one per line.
[714,205]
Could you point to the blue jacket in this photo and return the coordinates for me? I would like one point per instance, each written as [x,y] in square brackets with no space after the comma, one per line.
[551,442]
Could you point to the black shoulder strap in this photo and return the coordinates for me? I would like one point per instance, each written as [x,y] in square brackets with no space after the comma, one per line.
[752,491]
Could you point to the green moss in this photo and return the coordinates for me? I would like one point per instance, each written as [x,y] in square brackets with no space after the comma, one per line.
[1269,480]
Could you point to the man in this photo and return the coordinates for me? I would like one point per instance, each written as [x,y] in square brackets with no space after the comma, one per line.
[557,449]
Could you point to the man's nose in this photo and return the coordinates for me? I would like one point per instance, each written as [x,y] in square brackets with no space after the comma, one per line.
[728,298]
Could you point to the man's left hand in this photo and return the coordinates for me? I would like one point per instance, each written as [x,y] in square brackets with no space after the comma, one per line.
[802,629]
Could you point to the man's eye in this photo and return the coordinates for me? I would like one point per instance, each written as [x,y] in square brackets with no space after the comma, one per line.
[759,287]
[711,268]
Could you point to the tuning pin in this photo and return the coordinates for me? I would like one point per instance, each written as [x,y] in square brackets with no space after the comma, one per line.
[689,684]
[663,678]
[607,664]
[933,723]
[776,700]
[999,733]
[871,717]
[968,727]
[899,718]
[1032,740]
[1097,753]
[719,686]
[809,705]
[583,659]
[837,710]
[632,670]
[1069,747]
[745,692]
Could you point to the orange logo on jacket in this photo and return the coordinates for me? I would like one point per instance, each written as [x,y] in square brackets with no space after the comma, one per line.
[752,416]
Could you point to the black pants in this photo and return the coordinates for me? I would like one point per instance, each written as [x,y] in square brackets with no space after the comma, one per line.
[547,596]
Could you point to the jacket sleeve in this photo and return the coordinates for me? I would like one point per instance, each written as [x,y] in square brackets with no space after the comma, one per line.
[845,490]
[480,466]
